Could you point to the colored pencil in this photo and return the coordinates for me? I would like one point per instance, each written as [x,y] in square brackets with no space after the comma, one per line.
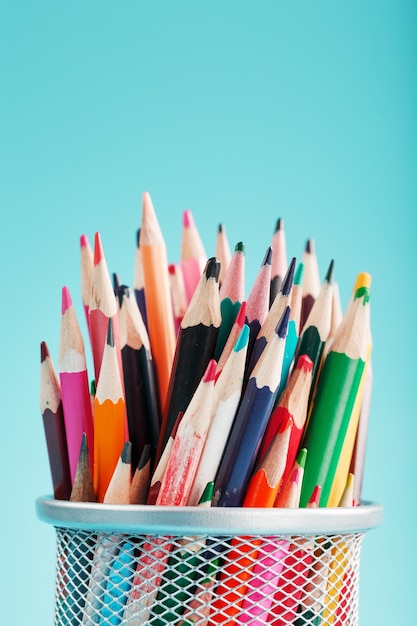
[160,468]
[317,327]
[109,418]
[87,265]
[103,307]
[279,263]
[139,486]
[293,327]
[83,487]
[80,548]
[185,566]
[196,341]
[312,282]
[158,295]
[251,420]
[337,388]
[339,562]
[193,254]
[336,318]
[232,338]
[73,375]
[179,301]
[298,556]
[54,426]
[139,281]
[141,392]
[293,403]
[188,443]
[274,314]
[257,303]
[222,252]
[105,586]
[227,393]
[358,456]
[232,294]
[267,478]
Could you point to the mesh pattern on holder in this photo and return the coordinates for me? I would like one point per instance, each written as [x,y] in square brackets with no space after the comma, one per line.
[114,578]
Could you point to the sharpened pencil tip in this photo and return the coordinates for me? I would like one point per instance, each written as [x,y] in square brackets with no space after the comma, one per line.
[66,301]
[110,333]
[84,241]
[314,500]
[126,455]
[240,247]
[187,219]
[207,494]
[299,274]
[212,269]
[279,225]
[44,351]
[310,248]
[301,457]
[138,238]
[288,281]
[220,228]
[330,272]
[267,260]
[145,456]
[304,363]
[210,373]
[243,338]
[98,249]
[281,328]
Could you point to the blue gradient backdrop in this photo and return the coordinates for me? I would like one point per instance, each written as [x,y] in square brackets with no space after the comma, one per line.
[242,112]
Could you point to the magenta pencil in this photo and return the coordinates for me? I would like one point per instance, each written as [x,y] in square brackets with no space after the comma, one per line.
[261,587]
[75,388]
[193,255]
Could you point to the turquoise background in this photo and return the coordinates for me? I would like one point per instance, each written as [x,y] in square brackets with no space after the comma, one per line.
[242,112]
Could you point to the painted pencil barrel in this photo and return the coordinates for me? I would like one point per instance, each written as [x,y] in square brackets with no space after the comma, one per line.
[177,556]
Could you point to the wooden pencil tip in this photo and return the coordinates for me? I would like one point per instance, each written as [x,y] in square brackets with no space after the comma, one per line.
[44,351]
[98,249]
[66,301]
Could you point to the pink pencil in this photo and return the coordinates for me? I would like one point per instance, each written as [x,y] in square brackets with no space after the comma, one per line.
[193,255]
[75,389]
[188,444]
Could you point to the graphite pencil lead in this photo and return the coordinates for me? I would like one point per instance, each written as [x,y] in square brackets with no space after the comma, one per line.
[212,269]
[330,272]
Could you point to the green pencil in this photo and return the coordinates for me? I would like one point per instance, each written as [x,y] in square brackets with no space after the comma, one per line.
[337,387]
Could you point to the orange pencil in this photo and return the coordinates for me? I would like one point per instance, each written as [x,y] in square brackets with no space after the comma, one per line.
[109,418]
[158,295]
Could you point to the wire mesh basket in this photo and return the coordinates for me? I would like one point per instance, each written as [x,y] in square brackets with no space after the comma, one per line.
[139,564]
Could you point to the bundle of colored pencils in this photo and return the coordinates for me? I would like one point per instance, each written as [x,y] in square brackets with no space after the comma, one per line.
[265,398]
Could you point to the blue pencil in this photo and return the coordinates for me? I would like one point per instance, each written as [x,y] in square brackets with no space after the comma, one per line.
[251,420]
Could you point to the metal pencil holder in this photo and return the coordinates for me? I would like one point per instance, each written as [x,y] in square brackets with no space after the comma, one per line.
[190,565]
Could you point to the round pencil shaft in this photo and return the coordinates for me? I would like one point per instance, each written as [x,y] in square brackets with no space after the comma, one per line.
[195,346]
[158,296]
[109,419]
[54,426]
[188,444]
[337,388]
[74,382]
[227,393]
